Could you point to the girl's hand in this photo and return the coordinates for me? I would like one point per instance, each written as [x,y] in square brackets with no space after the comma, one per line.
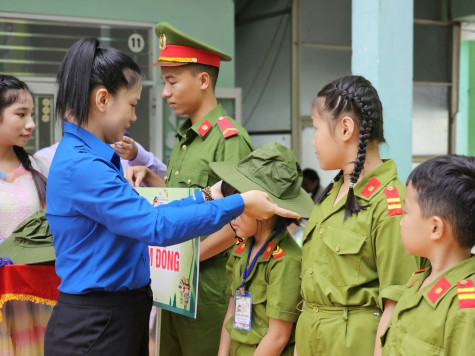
[259,205]
[126,149]
[216,190]
[136,175]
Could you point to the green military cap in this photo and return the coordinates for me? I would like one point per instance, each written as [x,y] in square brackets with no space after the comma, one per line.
[31,242]
[176,49]
[271,168]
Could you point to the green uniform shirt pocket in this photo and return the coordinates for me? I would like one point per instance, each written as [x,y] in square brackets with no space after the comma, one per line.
[411,345]
[341,255]
[193,178]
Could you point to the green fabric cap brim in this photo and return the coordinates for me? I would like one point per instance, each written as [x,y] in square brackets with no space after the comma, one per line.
[302,204]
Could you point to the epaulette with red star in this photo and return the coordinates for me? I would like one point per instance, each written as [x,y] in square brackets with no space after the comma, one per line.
[241,247]
[204,128]
[438,290]
[227,128]
[370,188]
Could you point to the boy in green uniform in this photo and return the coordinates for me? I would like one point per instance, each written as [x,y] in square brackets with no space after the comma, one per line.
[436,313]
[189,70]
[263,270]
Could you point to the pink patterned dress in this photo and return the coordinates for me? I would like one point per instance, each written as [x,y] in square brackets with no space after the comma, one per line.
[23,325]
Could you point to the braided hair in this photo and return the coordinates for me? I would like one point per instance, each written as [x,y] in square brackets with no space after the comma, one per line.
[355,95]
[11,88]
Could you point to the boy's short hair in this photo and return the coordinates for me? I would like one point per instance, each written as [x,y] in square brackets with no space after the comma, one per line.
[446,188]
[196,68]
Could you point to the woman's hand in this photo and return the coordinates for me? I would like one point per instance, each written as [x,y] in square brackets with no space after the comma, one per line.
[259,205]
[126,149]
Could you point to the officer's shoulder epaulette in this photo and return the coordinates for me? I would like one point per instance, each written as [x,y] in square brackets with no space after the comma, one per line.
[227,128]
[371,187]
[204,128]
[466,293]
[393,200]
[278,252]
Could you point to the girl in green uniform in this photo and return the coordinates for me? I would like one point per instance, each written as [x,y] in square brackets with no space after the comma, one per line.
[352,247]
[263,270]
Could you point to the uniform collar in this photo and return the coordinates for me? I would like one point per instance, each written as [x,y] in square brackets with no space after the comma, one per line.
[210,119]
[99,147]
[376,180]
[271,250]
[435,292]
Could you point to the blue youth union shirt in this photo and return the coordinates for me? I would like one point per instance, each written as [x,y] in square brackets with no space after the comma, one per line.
[102,228]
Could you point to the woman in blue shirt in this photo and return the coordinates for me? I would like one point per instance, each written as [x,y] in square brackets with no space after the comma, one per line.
[101,227]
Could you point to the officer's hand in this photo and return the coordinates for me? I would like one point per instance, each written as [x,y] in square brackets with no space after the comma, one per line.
[136,175]
[258,205]
[126,149]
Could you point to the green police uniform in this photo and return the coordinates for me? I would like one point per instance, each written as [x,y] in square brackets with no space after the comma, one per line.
[438,319]
[346,265]
[275,286]
[196,146]
[214,137]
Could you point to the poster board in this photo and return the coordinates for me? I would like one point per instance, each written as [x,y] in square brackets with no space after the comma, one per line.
[174,270]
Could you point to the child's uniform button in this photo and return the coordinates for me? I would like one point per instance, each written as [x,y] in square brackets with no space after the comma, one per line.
[177,173]
[337,248]
[315,309]
[188,182]
[183,147]
[310,270]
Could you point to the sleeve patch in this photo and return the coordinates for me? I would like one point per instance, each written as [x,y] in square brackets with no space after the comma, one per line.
[393,200]
[227,128]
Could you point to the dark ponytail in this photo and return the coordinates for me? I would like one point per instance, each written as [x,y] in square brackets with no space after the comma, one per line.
[11,88]
[355,95]
[86,66]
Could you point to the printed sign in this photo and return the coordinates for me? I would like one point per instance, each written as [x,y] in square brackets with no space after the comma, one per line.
[174,270]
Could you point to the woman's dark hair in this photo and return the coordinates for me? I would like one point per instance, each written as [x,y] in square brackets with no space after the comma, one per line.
[86,66]
[354,95]
[11,89]
[445,187]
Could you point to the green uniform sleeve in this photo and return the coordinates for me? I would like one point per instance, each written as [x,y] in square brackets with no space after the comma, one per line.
[234,149]
[283,289]
[459,330]
[230,275]
[393,264]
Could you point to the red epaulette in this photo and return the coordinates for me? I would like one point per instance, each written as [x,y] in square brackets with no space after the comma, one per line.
[394,201]
[370,188]
[466,293]
[227,128]
[204,128]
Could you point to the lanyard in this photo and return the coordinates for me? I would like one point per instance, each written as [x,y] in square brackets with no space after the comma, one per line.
[247,270]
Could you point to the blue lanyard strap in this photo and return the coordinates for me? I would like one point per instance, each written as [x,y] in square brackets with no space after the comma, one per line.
[247,270]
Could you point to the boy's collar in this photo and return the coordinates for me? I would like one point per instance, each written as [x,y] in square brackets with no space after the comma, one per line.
[201,127]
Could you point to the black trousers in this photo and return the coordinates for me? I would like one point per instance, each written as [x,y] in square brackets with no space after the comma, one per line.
[100,323]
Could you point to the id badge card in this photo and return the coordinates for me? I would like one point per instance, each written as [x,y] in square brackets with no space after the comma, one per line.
[242,310]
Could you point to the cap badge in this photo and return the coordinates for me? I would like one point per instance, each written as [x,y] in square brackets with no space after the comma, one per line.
[163,41]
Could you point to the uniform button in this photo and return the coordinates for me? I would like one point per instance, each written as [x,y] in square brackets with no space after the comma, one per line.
[184,147]
[166,177]
[177,173]
[438,290]
[399,322]
[463,281]
[188,181]
[310,270]
[321,231]
[337,248]
[315,309]
[390,189]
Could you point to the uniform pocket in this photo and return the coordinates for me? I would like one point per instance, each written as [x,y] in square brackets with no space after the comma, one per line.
[413,346]
[341,255]
[259,293]
[194,178]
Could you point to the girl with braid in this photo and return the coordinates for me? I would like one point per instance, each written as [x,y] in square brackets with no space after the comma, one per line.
[352,255]
[22,193]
